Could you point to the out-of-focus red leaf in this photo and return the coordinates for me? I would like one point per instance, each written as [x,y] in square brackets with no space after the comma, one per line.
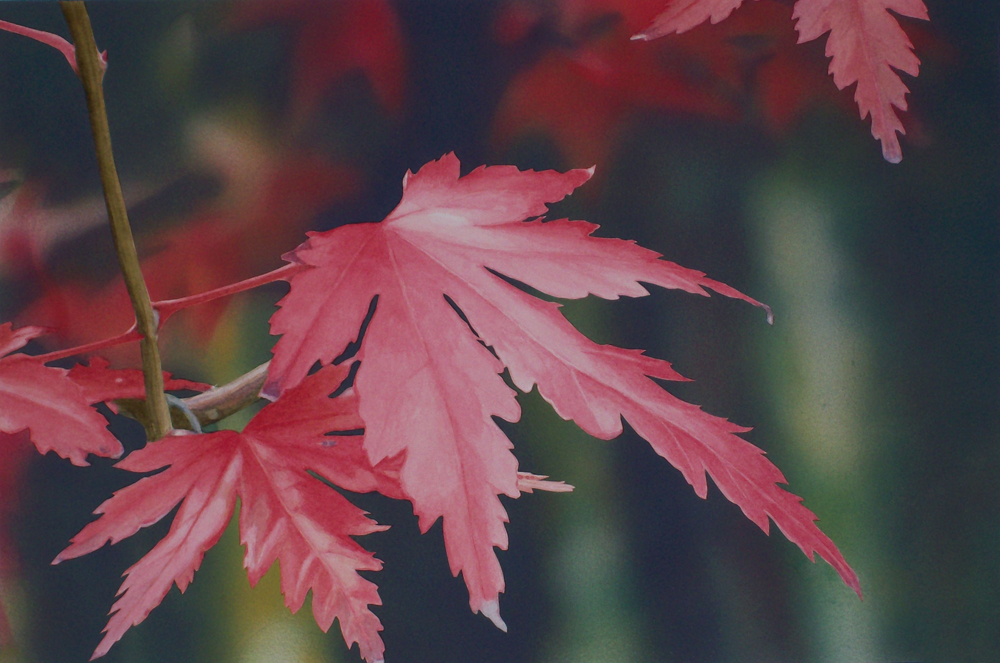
[745,67]
[866,45]
[15,453]
[29,229]
[333,39]
[269,198]
[579,96]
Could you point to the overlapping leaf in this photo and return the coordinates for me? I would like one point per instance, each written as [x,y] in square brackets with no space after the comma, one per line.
[45,401]
[429,388]
[747,68]
[104,385]
[287,514]
[866,44]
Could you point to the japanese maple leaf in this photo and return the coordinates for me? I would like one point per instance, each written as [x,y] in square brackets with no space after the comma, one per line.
[45,401]
[286,515]
[429,389]
[866,44]
[104,385]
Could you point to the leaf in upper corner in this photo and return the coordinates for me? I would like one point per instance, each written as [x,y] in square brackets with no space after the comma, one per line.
[286,514]
[331,40]
[866,44]
[748,68]
[429,385]
[682,15]
[867,47]
[46,402]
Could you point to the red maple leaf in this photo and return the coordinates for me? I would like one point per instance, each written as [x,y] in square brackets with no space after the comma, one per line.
[46,402]
[103,385]
[602,81]
[287,514]
[430,385]
[866,44]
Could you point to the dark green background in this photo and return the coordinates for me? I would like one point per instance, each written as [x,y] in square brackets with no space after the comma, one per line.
[876,390]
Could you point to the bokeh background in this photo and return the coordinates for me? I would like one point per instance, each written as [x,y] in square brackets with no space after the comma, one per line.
[239,126]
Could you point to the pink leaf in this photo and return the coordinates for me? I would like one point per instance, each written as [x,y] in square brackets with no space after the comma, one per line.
[867,46]
[286,514]
[46,402]
[429,388]
[528,483]
[682,15]
[101,384]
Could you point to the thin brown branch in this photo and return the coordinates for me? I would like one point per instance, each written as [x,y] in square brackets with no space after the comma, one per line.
[208,407]
[91,74]
[220,402]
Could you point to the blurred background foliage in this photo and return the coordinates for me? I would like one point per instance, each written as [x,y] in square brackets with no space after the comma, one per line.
[238,126]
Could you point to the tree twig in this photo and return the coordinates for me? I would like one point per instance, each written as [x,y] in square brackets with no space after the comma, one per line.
[207,407]
[218,403]
[91,74]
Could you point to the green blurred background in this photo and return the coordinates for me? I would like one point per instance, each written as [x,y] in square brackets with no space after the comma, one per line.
[876,390]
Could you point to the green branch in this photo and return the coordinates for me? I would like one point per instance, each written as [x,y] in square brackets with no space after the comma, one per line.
[91,72]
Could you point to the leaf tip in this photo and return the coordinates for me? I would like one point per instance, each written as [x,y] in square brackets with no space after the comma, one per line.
[896,157]
[491,610]
[270,391]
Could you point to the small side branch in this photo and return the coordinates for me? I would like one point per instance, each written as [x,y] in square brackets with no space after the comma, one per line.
[208,407]
[91,74]
[220,402]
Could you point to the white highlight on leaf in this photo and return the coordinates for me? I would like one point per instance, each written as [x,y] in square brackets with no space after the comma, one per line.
[491,609]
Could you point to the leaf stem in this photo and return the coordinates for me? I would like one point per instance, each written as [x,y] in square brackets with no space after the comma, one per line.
[55,41]
[129,336]
[168,307]
[91,74]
